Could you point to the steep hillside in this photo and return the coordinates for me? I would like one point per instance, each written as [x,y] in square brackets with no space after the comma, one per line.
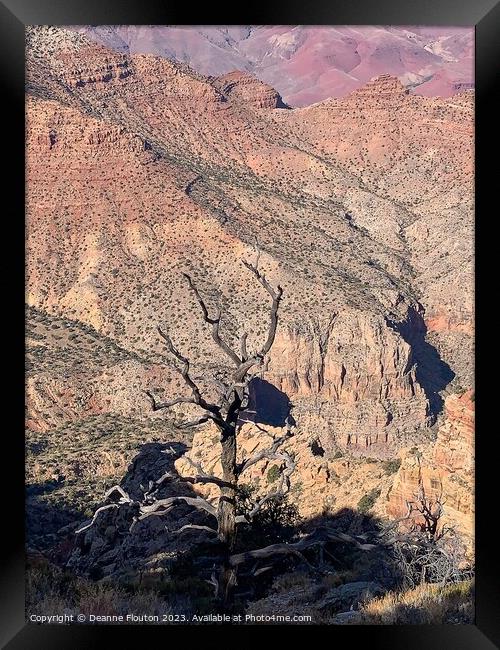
[139,169]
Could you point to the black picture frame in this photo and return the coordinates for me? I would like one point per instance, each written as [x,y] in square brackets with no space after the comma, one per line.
[14,15]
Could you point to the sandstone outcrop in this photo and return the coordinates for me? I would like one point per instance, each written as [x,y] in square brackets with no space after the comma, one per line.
[248,89]
[445,469]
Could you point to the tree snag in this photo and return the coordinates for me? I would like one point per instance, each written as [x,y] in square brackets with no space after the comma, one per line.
[225,415]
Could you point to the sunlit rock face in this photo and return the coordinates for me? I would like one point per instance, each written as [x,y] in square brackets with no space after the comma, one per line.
[446,468]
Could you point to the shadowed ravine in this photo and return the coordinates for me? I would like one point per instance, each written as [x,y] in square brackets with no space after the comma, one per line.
[267,404]
[432,372]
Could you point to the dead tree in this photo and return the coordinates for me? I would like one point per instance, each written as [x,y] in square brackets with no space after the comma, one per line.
[225,415]
[425,512]
[428,512]
[428,550]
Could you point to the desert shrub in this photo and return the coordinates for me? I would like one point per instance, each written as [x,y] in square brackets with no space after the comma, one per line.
[285,582]
[273,474]
[391,466]
[367,501]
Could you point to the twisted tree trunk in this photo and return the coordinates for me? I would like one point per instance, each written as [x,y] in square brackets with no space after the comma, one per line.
[225,414]
[226,515]
[226,511]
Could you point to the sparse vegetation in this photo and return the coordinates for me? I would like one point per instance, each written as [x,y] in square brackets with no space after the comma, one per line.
[360,216]
[367,501]
[391,466]
[426,604]
[273,474]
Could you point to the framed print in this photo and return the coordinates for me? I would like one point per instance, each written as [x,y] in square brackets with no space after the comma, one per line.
[250,316]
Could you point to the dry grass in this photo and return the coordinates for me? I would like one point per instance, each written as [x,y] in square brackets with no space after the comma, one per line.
[426,604]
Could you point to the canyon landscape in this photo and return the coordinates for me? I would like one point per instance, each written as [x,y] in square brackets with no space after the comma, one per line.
[179,179]
[309,64]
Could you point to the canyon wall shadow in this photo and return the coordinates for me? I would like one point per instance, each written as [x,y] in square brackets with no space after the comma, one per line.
[431,371]
[267,405]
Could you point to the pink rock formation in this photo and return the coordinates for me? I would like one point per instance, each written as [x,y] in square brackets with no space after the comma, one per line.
[309,64]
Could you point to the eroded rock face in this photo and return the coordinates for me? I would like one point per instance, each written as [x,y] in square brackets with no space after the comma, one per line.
[384,89]
[321,484]
[385,137]
[247,88]
[354,383]
[445,469]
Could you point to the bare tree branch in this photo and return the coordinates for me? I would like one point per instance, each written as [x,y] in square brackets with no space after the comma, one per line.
[173,478]
[146,516]
[283,486]
[265,454]
[197,466]
[276,296]
[184,371]
[243,346]
[94,518]
[318,537]
[240,374]
[214,322]
[157,406]
[125,498]
[192,423]
[261,570]
[207,479]
[196,502]
[194,527]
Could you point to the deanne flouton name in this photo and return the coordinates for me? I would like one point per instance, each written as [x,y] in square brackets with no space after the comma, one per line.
[153,618]
[118,618]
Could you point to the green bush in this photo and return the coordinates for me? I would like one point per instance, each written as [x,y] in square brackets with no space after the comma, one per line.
[391,466]
[366,503]
[273,474]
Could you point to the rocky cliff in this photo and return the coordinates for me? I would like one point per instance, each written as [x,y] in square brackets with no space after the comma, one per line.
[249,90]
[445,469]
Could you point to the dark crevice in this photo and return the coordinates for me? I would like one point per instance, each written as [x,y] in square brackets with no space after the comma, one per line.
[432,373]
[267,405]
[316,448]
